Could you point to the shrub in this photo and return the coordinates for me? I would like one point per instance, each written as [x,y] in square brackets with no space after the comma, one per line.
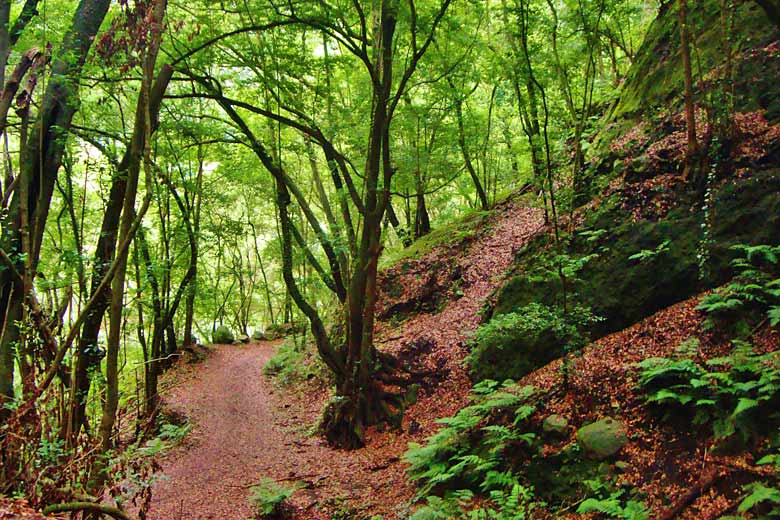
[753,292]
[515,344]
[737,393]
[292,364]
[223,335]
[270,498]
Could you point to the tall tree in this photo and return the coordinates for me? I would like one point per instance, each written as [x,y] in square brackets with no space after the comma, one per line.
[29,206]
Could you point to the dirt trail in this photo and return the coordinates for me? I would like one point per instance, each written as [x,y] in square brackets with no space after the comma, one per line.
[244,430]
[227,402]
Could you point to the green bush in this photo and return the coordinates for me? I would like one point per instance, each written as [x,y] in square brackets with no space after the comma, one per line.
[270,498]
[515,344]
[738,393]
[223,335]
[753,294]
[292,364]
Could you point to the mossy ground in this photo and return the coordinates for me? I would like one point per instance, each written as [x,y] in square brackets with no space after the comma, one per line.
[624,291]
[449,235]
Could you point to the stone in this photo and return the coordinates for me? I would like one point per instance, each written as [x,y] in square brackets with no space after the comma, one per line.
[258,335]
[622,466]
[555,424]
[243,338]
[223,335]
[602,439]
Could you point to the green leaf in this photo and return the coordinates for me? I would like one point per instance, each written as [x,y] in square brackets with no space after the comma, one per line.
[759,493]
[744,405]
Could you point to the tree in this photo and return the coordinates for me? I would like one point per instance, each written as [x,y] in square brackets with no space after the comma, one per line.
[29,206]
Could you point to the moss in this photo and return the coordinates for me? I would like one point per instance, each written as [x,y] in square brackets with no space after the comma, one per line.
[449,235]
[655,79]
[624,291]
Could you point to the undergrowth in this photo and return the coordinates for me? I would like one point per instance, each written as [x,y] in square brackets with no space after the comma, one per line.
[448,235]
[270,498]
[293,364]
[514,344]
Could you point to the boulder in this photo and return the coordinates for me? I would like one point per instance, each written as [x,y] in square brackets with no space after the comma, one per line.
[243,338]
[555,424]
[283,330]
[602,438]
[223,335]
[258,335]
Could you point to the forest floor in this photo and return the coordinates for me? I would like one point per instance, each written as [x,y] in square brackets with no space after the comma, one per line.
[245,428]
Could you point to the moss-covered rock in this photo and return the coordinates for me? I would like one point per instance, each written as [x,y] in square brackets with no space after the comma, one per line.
[555,425]
[622,290]
[223,335]
[656,77]
[602,439]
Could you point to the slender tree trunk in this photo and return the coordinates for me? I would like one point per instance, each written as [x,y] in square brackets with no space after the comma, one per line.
[42,159]
[141,153]
[194,244]
[87,354]
[692,144]
[481,196]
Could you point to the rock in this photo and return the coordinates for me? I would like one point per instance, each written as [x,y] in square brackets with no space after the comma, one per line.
[223,335]
[555,424]
[284,330]
[602,438]
[243,338]
[258,335]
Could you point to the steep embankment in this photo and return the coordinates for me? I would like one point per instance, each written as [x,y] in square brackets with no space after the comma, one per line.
[245,429]
[674,466]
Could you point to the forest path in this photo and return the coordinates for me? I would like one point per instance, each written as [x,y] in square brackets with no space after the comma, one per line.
[245,430]
[236,439]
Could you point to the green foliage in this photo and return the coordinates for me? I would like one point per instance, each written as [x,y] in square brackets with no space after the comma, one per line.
[169,436]
[516,502]
[737,393]
[470,453]
[514,344]
[614,507]
[50,453]
[648,254]
[612,502]
[754,291]
[270,497]
[761,498]
[292,364]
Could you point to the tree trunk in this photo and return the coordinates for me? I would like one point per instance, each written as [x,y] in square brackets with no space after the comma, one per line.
[87,355]
[692,144]
[43,157]
[140,153]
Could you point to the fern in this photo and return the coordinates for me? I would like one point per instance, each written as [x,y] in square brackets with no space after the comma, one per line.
[469,453]
[761,495]
[269,497]
[755,288]
[733,393]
